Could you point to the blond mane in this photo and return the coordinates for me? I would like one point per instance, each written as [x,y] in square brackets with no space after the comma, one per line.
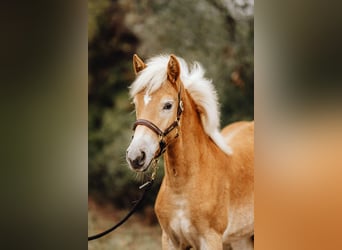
[200,89]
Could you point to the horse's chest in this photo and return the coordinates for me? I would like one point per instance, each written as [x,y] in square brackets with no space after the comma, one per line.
[180,219]
[179,225]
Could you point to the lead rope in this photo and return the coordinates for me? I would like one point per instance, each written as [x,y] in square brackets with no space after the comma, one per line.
[146,186]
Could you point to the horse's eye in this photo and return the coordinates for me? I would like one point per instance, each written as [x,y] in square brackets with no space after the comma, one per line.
[167,106]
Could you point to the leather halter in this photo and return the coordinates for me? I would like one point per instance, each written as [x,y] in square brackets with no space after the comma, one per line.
[162,134]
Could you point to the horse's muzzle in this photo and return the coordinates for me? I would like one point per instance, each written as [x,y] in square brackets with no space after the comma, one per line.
[138,161]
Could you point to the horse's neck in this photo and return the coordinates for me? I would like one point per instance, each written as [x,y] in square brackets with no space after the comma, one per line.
[183,155]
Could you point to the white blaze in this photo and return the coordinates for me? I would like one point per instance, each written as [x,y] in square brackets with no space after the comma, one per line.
[147,98]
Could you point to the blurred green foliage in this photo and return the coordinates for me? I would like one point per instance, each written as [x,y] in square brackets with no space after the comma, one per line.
[195,30]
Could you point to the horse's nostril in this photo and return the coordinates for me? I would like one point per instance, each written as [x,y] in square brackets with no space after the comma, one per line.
[143,156]
[139,161]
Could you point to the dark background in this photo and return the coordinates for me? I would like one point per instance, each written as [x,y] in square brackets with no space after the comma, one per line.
[204,31]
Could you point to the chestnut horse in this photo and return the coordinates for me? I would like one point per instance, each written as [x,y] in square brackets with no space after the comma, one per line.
[206,199]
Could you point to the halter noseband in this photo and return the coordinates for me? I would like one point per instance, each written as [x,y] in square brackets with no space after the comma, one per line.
[162,134]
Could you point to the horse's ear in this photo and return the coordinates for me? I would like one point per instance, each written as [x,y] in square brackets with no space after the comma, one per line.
[173,69]
[138,64]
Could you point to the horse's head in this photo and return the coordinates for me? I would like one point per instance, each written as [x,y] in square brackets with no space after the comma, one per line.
[157,98]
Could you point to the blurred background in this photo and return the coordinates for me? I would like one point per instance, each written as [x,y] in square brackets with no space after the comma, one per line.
[217,33]
[44,110]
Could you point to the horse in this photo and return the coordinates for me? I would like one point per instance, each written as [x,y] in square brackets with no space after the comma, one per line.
[206,199]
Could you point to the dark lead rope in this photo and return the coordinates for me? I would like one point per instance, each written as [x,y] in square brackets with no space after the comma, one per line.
[146,186]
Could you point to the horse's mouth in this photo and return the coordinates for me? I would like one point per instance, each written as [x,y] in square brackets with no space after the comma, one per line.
[144,168]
